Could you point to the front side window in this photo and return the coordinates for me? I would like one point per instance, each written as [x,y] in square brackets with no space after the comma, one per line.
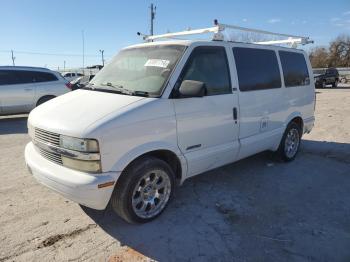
[209,65]
[140,69]
[294,69]
[8,77]
[257,69]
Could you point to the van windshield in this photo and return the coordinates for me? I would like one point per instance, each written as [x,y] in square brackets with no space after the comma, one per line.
[140,70]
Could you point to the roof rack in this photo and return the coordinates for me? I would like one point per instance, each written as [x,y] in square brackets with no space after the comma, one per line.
[218,35]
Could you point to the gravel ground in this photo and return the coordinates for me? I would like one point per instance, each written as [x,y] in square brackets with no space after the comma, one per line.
[254,210]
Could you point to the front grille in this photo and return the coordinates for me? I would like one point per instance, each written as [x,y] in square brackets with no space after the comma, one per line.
[46,137]
[53,157]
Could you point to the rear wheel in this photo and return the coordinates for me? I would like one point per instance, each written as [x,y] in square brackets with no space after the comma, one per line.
[144,190]
[290,142]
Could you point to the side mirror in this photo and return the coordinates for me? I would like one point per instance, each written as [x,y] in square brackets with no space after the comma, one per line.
[191,88]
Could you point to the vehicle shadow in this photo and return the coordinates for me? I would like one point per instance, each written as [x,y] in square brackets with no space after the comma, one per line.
[13,125]
[247,210]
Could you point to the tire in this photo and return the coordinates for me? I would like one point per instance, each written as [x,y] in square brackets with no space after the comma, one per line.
[286,151]
[335,84]
[135,195]
[44,99]
[324,84]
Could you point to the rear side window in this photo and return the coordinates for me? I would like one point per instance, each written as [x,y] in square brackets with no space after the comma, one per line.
[257,69]
[8,77]
[44,77]
[209,65]
[294,68]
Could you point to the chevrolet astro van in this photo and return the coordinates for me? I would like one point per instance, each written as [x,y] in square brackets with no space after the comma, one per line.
[164,111]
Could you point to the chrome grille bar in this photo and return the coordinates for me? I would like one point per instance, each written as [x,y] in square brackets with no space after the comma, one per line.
[47,137]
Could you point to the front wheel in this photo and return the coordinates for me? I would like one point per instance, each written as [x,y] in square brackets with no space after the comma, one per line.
[144,190]
[290,142]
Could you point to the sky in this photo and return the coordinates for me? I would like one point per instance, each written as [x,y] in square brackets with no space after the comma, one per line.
[48,33]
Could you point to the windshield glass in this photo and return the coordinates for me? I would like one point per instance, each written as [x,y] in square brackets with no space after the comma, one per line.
[140,69]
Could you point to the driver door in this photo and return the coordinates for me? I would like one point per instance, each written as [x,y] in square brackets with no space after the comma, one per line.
[206,129]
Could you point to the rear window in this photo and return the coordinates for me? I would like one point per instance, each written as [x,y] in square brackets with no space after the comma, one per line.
[257,69]
[294,69]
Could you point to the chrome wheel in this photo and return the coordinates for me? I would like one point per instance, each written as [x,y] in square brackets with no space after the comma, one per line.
[151,194]
[291,143]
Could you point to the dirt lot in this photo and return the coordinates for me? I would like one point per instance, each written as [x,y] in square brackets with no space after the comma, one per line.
[253,210]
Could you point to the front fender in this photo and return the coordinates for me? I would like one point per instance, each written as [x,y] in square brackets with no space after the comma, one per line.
[140,150]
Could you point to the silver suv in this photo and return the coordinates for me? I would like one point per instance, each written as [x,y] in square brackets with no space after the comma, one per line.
[23,88]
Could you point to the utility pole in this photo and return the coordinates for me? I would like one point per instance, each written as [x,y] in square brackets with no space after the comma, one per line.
[103,60]
[13,58]
[153,14]
[83,38]
[64,66]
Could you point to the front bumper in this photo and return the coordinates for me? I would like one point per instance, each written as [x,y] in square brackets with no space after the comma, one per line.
[77,186]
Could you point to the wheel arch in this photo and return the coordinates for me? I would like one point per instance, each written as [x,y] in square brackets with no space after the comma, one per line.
[168,154]
[43,97]
[297,118]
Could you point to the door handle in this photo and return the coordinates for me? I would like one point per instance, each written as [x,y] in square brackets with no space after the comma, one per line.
[235,114]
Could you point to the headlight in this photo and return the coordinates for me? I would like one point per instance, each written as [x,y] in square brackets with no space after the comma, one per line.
[86,154]
[82,165]
[79,144]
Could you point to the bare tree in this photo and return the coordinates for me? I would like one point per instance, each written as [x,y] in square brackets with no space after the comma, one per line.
[339,51]
[336,55]
[319,57]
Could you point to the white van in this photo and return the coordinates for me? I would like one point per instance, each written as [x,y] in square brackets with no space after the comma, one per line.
[161,112]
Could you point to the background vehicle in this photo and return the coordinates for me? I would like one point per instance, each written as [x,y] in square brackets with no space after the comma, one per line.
[70,76]
[329,76]
[81,82]
[23,88]
[161,112]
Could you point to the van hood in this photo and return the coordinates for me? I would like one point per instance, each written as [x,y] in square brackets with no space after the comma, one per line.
[71,114]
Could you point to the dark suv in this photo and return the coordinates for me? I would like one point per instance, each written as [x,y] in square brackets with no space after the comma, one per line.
[323,77]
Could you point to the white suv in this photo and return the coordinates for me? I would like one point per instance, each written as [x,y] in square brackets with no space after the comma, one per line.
[162,112]
[23,88]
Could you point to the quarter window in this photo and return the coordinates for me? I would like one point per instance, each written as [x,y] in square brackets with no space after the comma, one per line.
[294,68]
[257,69]
[209,65]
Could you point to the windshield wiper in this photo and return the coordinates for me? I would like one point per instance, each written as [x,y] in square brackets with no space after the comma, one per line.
[141,93]
[118,88]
